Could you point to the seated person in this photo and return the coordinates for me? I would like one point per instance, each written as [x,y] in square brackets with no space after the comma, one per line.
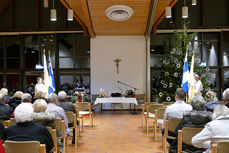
[198,117]
[5,91]
[15,100]
[68,107]
[211,101]
[5,111]
[39,95]
[177,109]
[42,117]
[26,130]
[2,132]
[225,98]
[217,128]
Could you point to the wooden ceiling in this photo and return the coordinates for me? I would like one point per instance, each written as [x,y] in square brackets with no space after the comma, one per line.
[92,15]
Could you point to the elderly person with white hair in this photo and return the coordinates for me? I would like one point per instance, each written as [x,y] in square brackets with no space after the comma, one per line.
[42,117]
[63,103]
[217,129]
[15,100]
[5,111]
[226,97]
[26,129]
[5,91]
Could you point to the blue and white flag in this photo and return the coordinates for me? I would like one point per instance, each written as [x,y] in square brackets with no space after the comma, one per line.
[52,86]
[46,75]
[185,76]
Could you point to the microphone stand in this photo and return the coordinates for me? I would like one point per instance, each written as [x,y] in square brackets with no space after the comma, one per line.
[134,91]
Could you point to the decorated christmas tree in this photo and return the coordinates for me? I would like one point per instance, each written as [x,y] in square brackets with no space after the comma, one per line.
[170,79]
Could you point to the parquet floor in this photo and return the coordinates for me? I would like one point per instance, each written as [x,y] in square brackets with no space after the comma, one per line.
[116,132]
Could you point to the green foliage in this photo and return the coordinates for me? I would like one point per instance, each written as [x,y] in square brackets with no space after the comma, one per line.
[170,80]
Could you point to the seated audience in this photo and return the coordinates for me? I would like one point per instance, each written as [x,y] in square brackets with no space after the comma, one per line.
[198,117]
[68,107]
[26,130]
[2,131]
[25,98]
[5,111]
[211,101]
[218,128]
[5,91]
[39,95]
[15,100]
[58,111]
[176,110]
[225,99]
[42,117]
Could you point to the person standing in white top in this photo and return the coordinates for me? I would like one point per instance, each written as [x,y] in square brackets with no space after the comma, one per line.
[177,109]
[40,86]
[198,86]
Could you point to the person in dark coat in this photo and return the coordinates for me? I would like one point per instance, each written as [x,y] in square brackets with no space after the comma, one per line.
[211,101]
[27,130]
[5,111]
[196,118]
[15,100]
[2,132]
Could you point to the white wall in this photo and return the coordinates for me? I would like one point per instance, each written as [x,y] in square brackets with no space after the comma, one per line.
[132,70]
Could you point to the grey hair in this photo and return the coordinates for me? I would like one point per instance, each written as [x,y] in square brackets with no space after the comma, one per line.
[211,96]
[18,94]
[5,91]
[220,110]
[180,93]
[198,103]
[52,97]
[23,113]
[2,97]
[226,95]
[62,95]
[26,97]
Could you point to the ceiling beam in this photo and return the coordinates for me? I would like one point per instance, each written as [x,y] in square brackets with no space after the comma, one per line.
[87,18]
[67,6]
[162,16]
[151,15]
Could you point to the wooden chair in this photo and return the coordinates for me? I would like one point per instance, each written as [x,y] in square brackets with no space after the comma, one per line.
[150,110]
[185,136]
[159,120]
[5,122]
[73,119]
[84,108]
[54,138]
[170,125]
[60,126]
[167,103]
[24,147]
[144,110]
[222,146]
[141,99]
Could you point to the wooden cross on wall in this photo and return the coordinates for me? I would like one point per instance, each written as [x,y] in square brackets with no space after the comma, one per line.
[117,63]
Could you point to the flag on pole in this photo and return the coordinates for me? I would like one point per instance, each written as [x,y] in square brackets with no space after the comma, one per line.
[46,75]
[185,76]
[191,80]
[52,86]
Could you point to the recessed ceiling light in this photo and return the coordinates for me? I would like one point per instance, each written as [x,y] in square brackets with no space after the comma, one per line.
[119,12]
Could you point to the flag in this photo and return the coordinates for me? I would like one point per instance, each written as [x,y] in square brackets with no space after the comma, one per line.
[52,86]
[185,76]
[191,80]
[46,75]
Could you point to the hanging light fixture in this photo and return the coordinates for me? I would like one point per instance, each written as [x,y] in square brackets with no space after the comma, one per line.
[70,12]
[168,11]
[53,13]
[194,2]
[46,3]
[184,10]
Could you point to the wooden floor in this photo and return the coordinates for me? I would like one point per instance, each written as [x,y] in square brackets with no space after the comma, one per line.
[116,132]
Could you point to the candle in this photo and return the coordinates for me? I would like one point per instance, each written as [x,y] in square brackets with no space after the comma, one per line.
[103,92]
[100,92]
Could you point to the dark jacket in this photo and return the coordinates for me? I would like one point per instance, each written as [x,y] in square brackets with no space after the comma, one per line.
[211,105]
[28,131]
[45,119]
[191,118]
[67,106]
[2,131]
[5,111]
[14,102]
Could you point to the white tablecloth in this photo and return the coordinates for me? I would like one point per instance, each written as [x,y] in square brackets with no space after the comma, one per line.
[116,100]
